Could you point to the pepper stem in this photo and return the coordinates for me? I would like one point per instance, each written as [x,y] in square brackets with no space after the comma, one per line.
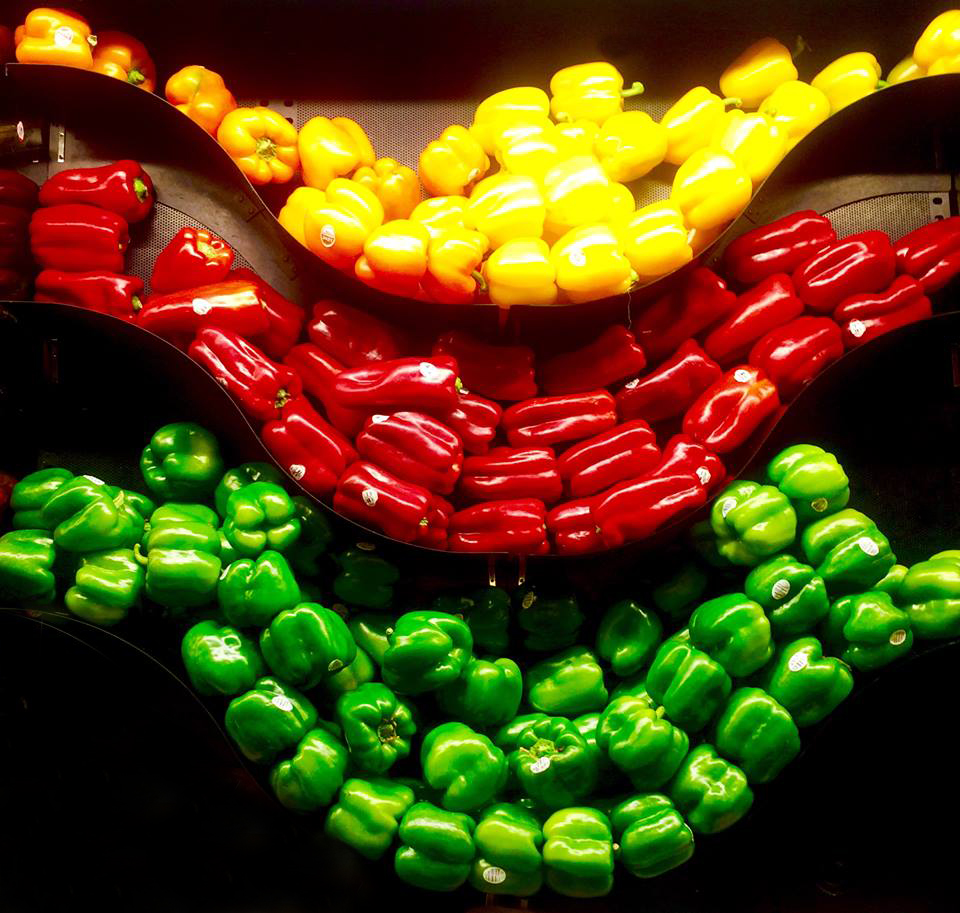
[882,84]
[733,102]
[92,40]
[800,46]
[138,555]
[478,278]
[635,89]
[266,147]
[387,731]
[140,189]
[135,303]
[283,397]
[135,77]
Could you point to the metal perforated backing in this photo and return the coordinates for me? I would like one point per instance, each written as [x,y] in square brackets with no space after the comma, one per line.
[895,213]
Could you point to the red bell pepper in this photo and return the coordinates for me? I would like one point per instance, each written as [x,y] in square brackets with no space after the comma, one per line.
[778,247]
[509,472]
[414,447]
[7,482]
[122,187]
[573,529]
[105,292]
[17,190]
[517,527]
[726,414]
[695,305]
[78,238]
[285,318]
[931,254]
[308,447]
[612,356]
[684,454]
[14,235]
[434,534]
[864,262]
[474,419]
[771,303]
[233,304]
[549,420]
[621,453]
[261,387]
[193,256]
[864,317]
[425,384]
[501,372]
[667,391]
[378,500]
[353,337]
[794,354]
[318,371]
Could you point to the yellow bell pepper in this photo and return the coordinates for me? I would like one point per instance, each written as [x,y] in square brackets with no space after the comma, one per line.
[440,214]
[531,149]
[944,65]
[262,142]
[623,202]
[337,230]
[753,141]
[395,185]
[654,239]
[690,122]
[579,136]
[511,106]
[332,148]
[295,209]
[630,145]
[710,188]
[453,263]
[521,272]
[700,239]
[201,95]
[762,67]
[577,192]
[904,71]
[506,206]
[394,257]
[453,163]
[589,91]
[797,108]
[590,263]
[55,36]
[941,38]
[124,57]
[848,79]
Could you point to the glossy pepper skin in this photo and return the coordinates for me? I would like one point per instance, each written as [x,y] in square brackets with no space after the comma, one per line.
[331,148]
[848,79]
[652,834]
[511,472]
[239,477]
[578,852]
[711,793]
[337,230]
[55,36]
[395,185]
[106,587]
[589,91]
[86,517]
[234,305]
[757,71]
[612,356]
[941,38]
[509,843]
[752,522]
[436,848]
[734,631]
[930,594]
[26,565]
[521,272]
[353,337]
[377,727]
[220,659]
[310,779]
[867,316]
[98,290]
[792,355]
[367,814]
[549,621]
[403,383]
[629,145]
[453,263]
[486,611]
[123,57]
[307,644]
[626,451]
[464,765]
[848,550]
[452,163]
[508,107]
[497,371]
[515,526]
[293,212]
[372,631]
[380,500]
[506,207]
[269,718]
[394,257]
[426,651]
[474,420]
[678,592]
[487,693]
[590,263]
[654,239]
[812,478]
[572,528]
[260,516]
[365,579]
[192,257]
[76,237]
[285,319]
[122,187]
[568,683]
[797,108]
[793,596]
[778,247]
[262,144]
[757,733]
[931,253]
[546,421]
[690,123]
[628,637]
[867,630]
[17,190]
[251,591]
[710,188]
[202,95]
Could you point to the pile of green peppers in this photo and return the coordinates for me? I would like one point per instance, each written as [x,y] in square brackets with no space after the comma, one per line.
[414,732]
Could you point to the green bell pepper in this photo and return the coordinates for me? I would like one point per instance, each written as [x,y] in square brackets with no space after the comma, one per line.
[509,841]
[310,779]
[306,644]
[269,718]
[652,834]
[27,558]
[848,551]
[468,768]
[372,634]
[578,852]
[253,591]
[569,683]
[367,815]
[807,683]
[752,522]
[260,516]
[628,637]
[639,741]
[85,518]
[349,678]
[757,733]
[507,736]
[710,792]
[930,592]
[182,462]
[548,623]
[791,593]
[587,725]
[174,513]
[891,582]
[487,693]
[867,631]
[220,659]
[689,684]
[107,586]
[812,479]
[240,477]
[426,651]
[436,848]
[32,492]
[365,579]
[136,506]
[681,591]
[734,631]
[376,725]
[486,611]
[315,538]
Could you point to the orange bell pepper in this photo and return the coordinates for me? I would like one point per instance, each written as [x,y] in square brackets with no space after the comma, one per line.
[124,57]
[333,148]
[294,211]
[201,95]
[453,163]
[440,214]
[55,36]
[395,257]
[453,263]
[262,143]
[395,185]
[337,230]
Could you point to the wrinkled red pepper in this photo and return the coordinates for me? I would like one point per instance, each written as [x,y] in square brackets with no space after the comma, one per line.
[794,354]
[318,371]
[931,253]
[573,529]
[865,317]
[193,256]
[414,447]
[699,302]
[353,337]
[864,262]
[778,247]
[14,235]
[683,454]
[612,356]
[667,391]
[285,318]
[501,372]
[434,534]
[474,419]
[78,238]
[624,452]
[105,292]
[234,304]
[378,500]
[769,304]
[726,414]
[510,472]
[423,384]
[122,187]
[308,447]
[517,527]
[549,420]
[261,387]
[17,190]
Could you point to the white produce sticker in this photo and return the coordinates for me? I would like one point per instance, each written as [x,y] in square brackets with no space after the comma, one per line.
[540,765]
[298,471]
[819,505]
[328,236]
[578,258]
[857,328]
[797,662]
[370,497]
[201,306]
[281,702]
[726,506]
[63,36]
[898,637]
[703,474]
[868,546]
[493,874]
[741,376]
[429,371]
[781,589]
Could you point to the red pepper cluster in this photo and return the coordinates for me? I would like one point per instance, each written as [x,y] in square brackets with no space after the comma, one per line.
[18,200]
